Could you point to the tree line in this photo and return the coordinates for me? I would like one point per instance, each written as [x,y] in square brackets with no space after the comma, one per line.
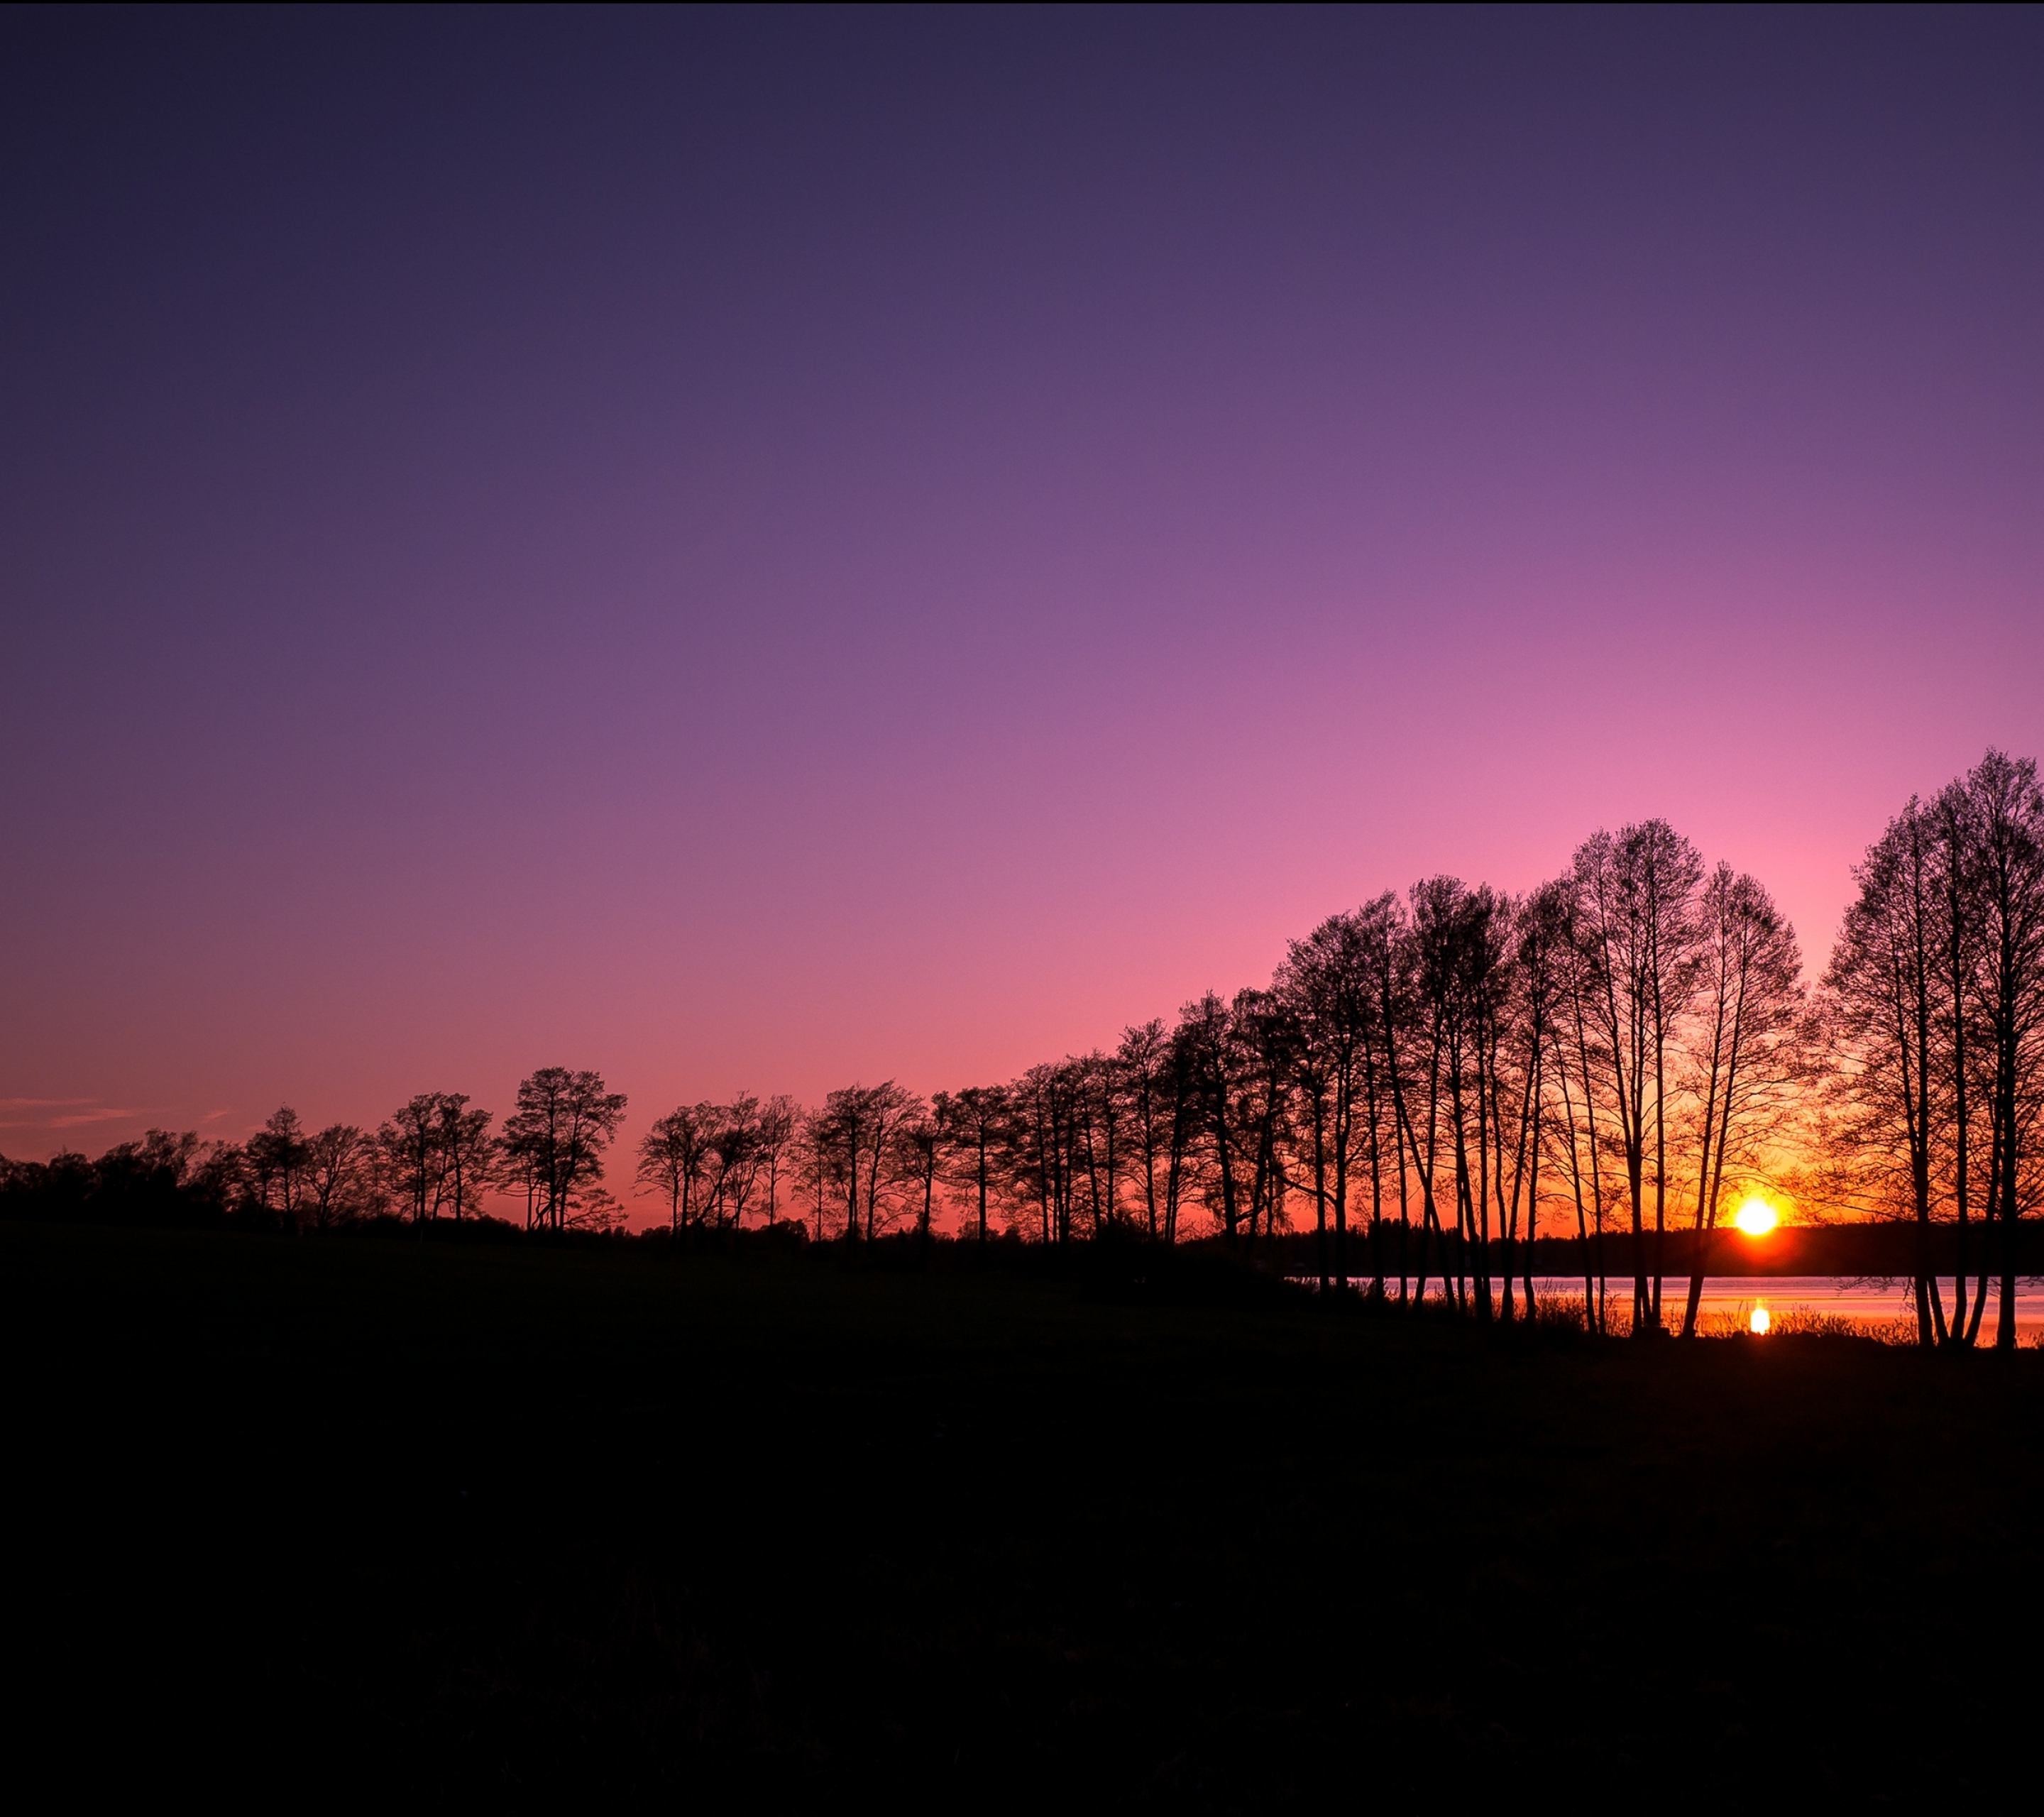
[1428,1082]
[435,1157]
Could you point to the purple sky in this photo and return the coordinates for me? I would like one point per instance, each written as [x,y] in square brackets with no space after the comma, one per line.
[768,550]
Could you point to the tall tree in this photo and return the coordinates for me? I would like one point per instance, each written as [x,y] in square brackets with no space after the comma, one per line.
[414,1162]
[467,1154]
[340,1176]
[1748,1058]
[1635,894]
[2001,810]
[780,1119]
[673,1155]
[919,1151]
[1326,982]
[735,1159]
[565,1121]
[1887,1013]
[277,1158]
[971,1124]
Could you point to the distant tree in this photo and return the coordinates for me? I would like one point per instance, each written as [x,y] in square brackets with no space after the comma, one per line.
[556,1139]
[1041,1158]
[1578,1063]
[277,1158]
[673,1156]
[1390,955]
[1142,1062]
[888,1109]
[469,1154]
[1205,1027]
[342,1177]
[812,1154]
[414,1163]
[1429,1004]
[919,1149]
[1326,987]
[854,1146]
[735,1159]
[780,1119]
[969,1124]
[1264,1035]
[1541,965]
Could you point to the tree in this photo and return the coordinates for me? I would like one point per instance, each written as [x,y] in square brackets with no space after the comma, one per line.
[734,1156]
[468,1154]
[1635,894]
[341,1175]
[1887,1013]
[1933,1008]
[970,1123]
[1428,1010]
[1325,982]
[412,1160]
[1040,1159]
[672,1157]
[919,1147]
[854,1135]
[1204,1025]
[1578,1062]
[556,1139]
[779,1120]
[277,1161]
[1999,812]
[1540,969]
[1749,1058]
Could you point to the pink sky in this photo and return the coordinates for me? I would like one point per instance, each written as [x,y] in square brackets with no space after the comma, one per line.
[760,558]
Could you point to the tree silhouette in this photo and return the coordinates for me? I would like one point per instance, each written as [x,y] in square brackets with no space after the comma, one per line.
[555,1140]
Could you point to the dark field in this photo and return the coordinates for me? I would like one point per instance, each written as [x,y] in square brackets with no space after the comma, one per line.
[620,1524]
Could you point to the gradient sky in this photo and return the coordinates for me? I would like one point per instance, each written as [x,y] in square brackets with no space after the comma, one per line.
[767,550]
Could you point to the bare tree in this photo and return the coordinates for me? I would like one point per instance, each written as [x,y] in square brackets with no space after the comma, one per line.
[1749,1058]
[971,1124]
[557,1137]
[672,1157]
[468,1154]
[1886,1012]
[340,1176]
[780,1118]
[734,1152]
[854,1134]
[413,1162]
[2001,810]
[277,1158]
[1933,1007]
[919,1148]
[1326,981]
[1635,894]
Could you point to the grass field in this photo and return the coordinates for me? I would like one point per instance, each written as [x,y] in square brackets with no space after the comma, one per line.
[620,1524]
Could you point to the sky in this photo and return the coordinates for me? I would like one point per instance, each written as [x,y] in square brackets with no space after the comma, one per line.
[762,550]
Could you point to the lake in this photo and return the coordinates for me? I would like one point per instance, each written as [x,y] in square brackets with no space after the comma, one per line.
[1730,1298]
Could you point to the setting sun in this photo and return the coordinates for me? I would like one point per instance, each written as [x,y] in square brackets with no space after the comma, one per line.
[1758,1324]
[1756,1218]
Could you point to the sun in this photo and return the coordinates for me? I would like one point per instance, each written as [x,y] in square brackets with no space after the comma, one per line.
[1756,1217]
[1758,1324]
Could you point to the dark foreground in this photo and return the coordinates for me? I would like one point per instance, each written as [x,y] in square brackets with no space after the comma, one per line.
[623,1525]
